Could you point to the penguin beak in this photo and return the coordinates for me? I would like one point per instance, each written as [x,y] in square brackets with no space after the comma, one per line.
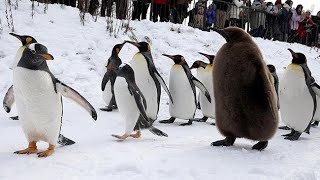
[16,35]
[171,57]
[221,32]
[134,43]
[47,56]
[294,55]
[210,57]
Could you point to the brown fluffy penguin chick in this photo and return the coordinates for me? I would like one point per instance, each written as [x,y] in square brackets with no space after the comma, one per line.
[246,101]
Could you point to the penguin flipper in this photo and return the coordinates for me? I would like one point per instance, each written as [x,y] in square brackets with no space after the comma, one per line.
[137,94]
[202,88]
[316,88]
[63,141]
[8,99]
[163,84]
[157,132]
[72,94]
[105,80]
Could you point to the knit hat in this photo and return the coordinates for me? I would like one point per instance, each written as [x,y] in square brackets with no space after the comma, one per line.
[289,2]
[277,2]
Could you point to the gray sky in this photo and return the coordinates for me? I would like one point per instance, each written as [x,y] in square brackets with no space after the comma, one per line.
[307,4]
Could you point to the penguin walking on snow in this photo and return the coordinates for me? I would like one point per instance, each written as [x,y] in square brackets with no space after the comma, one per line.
[9,97]
[109,78]
[132,104]
[38,97]
[297,96]
[182,86]
[148,78]
[205,76]
[245,99]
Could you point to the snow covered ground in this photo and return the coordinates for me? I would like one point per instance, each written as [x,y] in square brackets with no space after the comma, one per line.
[80,54]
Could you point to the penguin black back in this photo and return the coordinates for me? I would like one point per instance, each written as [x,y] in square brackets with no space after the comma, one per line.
[246,104]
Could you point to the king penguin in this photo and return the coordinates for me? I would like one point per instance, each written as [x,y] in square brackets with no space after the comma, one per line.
[297,96]
[245,99]
[132,104]
[38,97]
[9,97]
[208,108]
[109,78]
[148,78]
[273,72]
[182,86]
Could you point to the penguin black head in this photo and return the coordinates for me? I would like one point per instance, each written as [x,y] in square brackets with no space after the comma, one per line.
[34,55]
[178,59]
[125,71]
[210,57]
[142,46]
[198,64]
[233,34]
[25,40]
[298,58]
[271,68]
[117,48]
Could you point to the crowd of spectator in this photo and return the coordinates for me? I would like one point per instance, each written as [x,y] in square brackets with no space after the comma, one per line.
[271,20]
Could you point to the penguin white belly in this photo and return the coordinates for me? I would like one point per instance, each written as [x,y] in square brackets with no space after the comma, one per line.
[107,94]
[183,106]
[146,84]
[207,108]
[295,100]
[126,104]
[39,106]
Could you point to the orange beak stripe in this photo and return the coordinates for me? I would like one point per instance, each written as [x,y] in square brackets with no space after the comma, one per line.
[47,56]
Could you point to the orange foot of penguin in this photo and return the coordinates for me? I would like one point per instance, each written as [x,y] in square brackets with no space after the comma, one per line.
[48,152]
[32,148]
[123,137]
[136,135]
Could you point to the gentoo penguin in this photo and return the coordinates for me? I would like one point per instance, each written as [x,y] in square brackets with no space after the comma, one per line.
[132,104]
[245,99]
[182,87]
[148,78]
[25,40]
[208,109]
[109,78]
[9,97]
[38,98]
[297,96]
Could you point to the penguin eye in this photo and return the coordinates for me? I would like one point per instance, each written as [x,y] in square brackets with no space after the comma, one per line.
[33,51]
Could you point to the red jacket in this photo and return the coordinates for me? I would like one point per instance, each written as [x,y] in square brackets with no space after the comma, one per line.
[303,25]
[164,2]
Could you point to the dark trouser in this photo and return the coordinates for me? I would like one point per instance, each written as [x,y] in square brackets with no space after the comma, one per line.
[121,8]
[180,13]
[139,9]
[162,11]
[258,32]
[65,2]
[235,22]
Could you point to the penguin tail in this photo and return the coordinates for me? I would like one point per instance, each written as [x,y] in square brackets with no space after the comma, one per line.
[157,132]
[63,141]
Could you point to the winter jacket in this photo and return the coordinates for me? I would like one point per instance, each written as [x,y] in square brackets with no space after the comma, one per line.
[285,17]
[295,19]
[223,6]
[303,26]
[164,2]
[235,9]
[258,18]
[211,16]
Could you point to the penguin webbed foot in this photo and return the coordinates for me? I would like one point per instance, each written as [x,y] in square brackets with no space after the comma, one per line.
[284,128]
[203,119]
[294,136]
[187,124]
[136,135]
[213,124]
[32,148]
[289,134]
[315,124]
[168,121]
[47,152]
[14,117]
[261,145]
[121,137]
[228,141]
